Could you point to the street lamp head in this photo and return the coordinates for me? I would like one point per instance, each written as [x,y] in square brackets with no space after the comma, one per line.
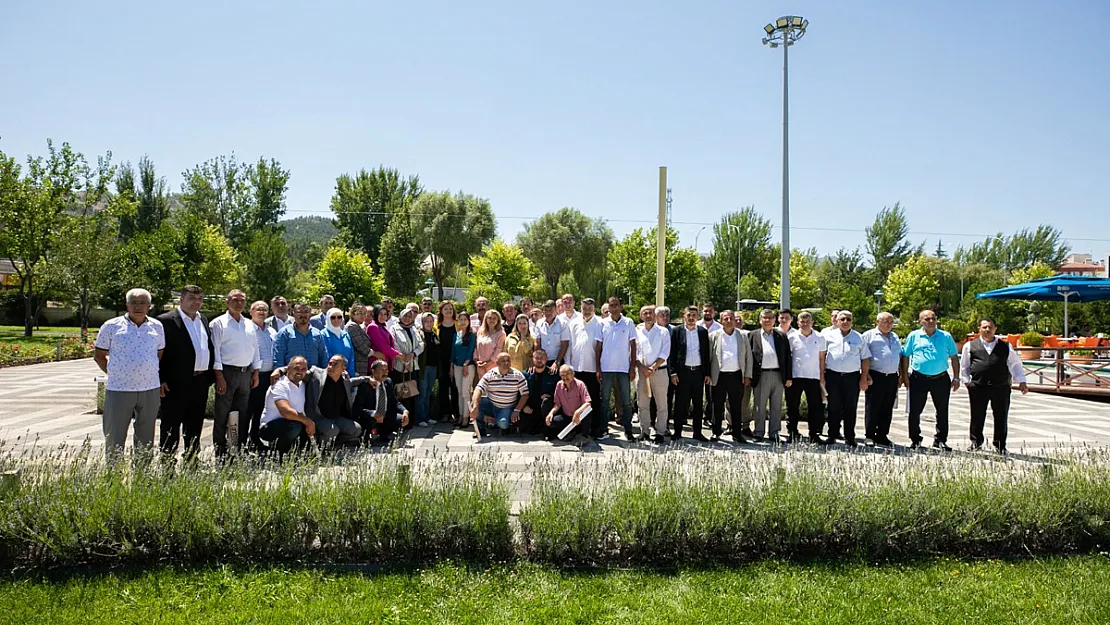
[785,30]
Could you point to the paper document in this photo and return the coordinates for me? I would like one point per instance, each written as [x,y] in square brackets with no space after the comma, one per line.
[571,424]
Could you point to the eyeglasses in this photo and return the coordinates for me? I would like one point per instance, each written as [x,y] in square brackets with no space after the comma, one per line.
[336,317]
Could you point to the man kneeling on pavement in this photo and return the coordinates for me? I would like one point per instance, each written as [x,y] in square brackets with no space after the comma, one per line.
[572,404]
[500,396]
[377,408]
[329,401]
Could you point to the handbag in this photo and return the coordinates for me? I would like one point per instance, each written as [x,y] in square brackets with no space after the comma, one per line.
[407,389]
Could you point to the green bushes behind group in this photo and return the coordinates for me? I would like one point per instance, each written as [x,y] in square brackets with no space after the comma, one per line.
[651,510]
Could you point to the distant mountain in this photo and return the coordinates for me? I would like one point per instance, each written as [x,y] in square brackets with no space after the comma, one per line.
[309,229]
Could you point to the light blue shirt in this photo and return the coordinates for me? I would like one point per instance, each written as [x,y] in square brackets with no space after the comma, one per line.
[290,343]
[264,336]
[928,355]
[886,351]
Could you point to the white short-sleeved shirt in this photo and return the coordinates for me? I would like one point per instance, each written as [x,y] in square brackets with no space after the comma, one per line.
[805,352]
[283,389]
[730,351]
[132,353]
[845,353]
[584,335]
[616,344]
[653,344]
[710,327]
[550,335]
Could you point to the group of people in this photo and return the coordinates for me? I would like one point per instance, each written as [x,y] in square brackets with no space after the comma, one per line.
[287,378]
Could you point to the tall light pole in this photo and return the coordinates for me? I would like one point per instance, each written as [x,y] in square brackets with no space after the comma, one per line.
[738,250]
[785,32]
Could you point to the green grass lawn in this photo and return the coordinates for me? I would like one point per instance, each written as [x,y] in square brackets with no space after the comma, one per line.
[44,341]
[1062,590]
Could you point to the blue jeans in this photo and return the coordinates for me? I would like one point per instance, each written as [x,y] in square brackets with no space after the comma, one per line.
[624,390]
[501,416]
[423,401]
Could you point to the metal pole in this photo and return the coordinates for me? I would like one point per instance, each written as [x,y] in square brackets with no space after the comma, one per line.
[1066,294]
[661,239]
[738,247]
[784,298]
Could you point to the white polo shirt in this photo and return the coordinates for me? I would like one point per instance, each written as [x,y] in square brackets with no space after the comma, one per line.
[283,389]
[584,335]
[845,353]
[616,344]
[805,352]
[730,350]
[132,353]
[710,327]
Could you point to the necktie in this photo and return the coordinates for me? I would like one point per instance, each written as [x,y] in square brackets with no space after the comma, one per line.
[381,401]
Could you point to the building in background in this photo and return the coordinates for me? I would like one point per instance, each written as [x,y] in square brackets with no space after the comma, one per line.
[1083,265]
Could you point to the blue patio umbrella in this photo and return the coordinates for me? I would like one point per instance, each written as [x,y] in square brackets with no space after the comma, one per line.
[1056,289]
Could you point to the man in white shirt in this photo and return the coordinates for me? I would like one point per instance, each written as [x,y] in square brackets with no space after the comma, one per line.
[280,307]
[772,372]
[833,325]
[988,368]
[653,347]
[807,349]
[786,319]
[235,365]
[688,366]
[616,360]
[481,307]
[847,363]
[128,349]
[585,331]
[186,373]
[553,336]
[709,322]
[730,371]
[569,313]
[284,422]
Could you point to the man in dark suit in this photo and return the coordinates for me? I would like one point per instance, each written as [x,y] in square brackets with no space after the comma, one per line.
[329,397]
[185,371]
[376,408]
[689,367]
[772,372]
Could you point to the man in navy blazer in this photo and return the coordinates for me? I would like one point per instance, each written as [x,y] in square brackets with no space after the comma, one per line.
[376,407]
[689,368]
[185,372]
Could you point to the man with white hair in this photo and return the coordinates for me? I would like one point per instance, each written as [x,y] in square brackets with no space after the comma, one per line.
[886,372]
[128,349]
[847,365]
[808,351]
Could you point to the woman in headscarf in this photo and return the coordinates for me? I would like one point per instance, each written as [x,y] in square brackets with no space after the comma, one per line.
[409,343]
[520,344]
[381,340]
[429,365]
[445,329]
[360,341]
[491,342]
[337,341]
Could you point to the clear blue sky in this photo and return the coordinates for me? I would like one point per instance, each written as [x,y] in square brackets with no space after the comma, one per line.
[978,117]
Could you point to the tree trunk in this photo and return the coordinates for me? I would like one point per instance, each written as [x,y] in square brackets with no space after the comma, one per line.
[554,283]
[28,307]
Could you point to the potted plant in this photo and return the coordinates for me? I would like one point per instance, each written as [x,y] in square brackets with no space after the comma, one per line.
[959,329]
[1081,356]
[1031,343]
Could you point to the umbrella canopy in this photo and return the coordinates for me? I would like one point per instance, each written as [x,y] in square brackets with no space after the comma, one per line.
[1056,289]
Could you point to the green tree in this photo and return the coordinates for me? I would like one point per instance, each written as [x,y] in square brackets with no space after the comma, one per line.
[451,228]
[803,283]
[500,272]
[349,276]
[887,242]
[306,239]
[267,269]
[153,200]
[80,262]
[218,192]
[268,184]
[566,241]
[364,203]
[911,287]
[1044,244]
[837,272]
[632,272]
[32,209]
[401,256]
[125,188]
[751,233]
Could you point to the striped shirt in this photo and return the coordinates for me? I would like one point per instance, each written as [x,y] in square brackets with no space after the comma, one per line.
[503,390]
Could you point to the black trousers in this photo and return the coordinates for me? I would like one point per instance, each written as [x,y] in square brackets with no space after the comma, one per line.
[560,421]
[999,399]
[710,403]
[811,388]
[691,384]
[878,405]
[593,387]
[940,389]
[730,385]
[448,394]
[256,404]
[183,410]
[534,422]
[843,389]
